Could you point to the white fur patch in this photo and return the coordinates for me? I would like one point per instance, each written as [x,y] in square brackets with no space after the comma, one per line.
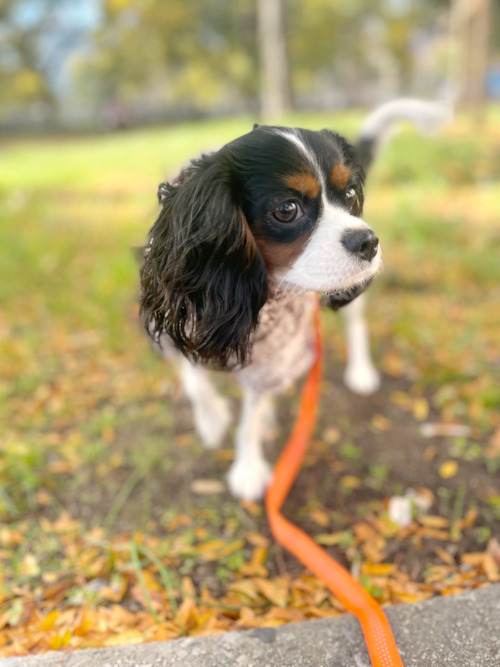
[249,480]
[360,376]
[325,265]
[292,136]
[211,412]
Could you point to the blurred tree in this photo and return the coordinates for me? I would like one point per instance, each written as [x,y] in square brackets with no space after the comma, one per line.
[22,71]
[154,59]
[34,36]
[470,30]
[158,53]
[275,96]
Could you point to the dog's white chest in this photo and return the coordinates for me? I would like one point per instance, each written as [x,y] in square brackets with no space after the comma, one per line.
[283,343]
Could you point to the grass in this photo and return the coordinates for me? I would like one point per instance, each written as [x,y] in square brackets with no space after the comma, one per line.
[78,380]
[72,209]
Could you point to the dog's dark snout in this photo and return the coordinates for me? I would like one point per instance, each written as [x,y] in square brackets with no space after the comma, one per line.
[361,242]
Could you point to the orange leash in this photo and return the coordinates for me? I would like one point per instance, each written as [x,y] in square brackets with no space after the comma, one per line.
[375,626]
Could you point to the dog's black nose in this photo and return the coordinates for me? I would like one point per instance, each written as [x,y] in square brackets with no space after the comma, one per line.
[361,242]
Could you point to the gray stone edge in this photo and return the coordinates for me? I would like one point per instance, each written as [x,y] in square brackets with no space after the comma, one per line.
[454,631]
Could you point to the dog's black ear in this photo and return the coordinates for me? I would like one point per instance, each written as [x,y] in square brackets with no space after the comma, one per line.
[255,126]
[203,280]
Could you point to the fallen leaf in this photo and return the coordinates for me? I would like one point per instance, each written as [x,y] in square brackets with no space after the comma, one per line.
[448,469]
[207,487]
[320,516]
[246,587]
[350,482]
[29,566]
[381,423]
[331,539]
[257,539]
[494,549]
[379,569]
[444,556]
[434,521]
[430,453]
[252,508]
[491,568]
[276,591]
[420,409]
[331,435]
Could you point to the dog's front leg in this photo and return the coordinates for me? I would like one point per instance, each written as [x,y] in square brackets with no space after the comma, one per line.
[210,410]
[360,376]
[250,473]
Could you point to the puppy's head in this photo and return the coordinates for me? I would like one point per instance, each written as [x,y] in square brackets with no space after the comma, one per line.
[278,208]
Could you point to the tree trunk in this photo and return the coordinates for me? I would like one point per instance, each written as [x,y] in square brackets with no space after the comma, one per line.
[275,97]
[470,28]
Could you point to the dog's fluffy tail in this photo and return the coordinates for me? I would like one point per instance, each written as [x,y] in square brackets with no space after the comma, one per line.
[380,124]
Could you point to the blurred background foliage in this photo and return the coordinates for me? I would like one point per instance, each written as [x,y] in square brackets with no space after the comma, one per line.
[111,63]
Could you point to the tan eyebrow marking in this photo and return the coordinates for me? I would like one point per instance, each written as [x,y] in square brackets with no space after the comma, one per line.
[305,183]
[340,175]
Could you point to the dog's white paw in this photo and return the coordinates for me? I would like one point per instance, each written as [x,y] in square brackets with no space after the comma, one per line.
[249,481]
[362,379]
[212,419]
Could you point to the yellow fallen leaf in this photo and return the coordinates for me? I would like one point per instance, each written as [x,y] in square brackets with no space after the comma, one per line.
[381,423]
[402,399]
[379,569]
[256,567]
[246,587]
[420,409]
[49,620]
[433,533]
[350,482]
[434,521]
[44,498]
[275,591]
[393,364]
[128,637]
[490,568]
[60,640]
[320,516]
[252,508]
[211,546]
[468,520]
[475,559]
[29,566]
[448,469]
[430,453]
[364,532]
[445,556]
[331,539]
[257,539]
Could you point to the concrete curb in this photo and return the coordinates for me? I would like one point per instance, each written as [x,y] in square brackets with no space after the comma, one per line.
[458,631]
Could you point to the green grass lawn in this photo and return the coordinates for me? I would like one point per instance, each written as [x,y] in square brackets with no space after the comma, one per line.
[77,369]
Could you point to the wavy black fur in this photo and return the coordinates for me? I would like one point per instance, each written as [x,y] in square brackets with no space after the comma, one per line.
[204,280]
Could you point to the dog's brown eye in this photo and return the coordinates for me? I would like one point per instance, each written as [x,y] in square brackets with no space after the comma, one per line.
[287,212]
[353,201]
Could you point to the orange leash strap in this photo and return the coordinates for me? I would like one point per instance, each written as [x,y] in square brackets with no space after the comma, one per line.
[375,626]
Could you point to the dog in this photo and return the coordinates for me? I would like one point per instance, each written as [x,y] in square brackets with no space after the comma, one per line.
[245,238]
[360,376]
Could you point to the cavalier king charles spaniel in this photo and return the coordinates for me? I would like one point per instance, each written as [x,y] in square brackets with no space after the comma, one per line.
[245,239]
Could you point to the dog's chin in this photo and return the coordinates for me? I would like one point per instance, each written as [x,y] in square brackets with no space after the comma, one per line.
[340,298]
